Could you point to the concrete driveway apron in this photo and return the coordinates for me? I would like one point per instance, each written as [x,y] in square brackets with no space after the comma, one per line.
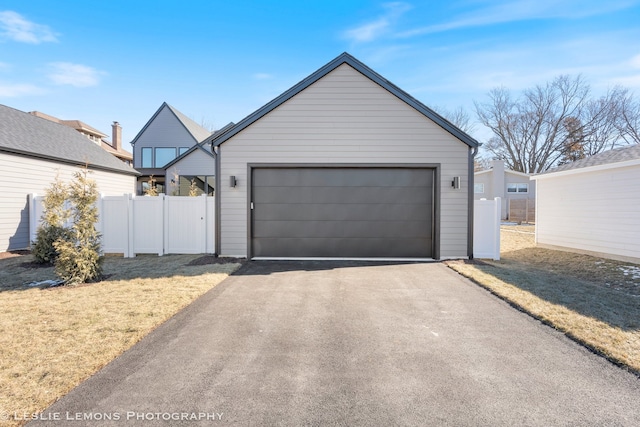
[346,343]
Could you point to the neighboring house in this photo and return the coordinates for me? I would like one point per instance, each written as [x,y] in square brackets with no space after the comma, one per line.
[592,205]
[504,183]
[193,168]
[167,135]
[344,164]
[114,147]
[33,151]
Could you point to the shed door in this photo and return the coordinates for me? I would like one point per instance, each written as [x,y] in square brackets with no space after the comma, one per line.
[341,212]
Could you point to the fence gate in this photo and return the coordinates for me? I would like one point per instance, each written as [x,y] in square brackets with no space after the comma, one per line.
[184,219]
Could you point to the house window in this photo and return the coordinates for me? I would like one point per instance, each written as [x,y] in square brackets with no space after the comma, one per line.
[147,158]
[164,155]
[201,184]
[478,188]
[517,188]
[182,150]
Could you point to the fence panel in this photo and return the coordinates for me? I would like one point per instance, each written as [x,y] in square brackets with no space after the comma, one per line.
[486,228]
[113,223]
[522,210]
[156,225]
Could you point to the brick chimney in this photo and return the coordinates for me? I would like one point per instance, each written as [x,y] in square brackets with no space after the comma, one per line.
[116,136]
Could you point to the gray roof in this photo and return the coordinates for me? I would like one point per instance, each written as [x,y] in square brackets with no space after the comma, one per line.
[199,146]
[345,58]
[29,135]
[616,155]
[195,130]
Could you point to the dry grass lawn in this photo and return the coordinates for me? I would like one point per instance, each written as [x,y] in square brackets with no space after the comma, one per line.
[593,300]
[51,339]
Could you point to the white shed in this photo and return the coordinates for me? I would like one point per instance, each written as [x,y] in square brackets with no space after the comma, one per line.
[33,151]
[592,205]
[344,165]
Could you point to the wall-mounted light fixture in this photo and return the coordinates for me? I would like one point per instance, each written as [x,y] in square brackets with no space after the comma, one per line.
[456,182]
[233,182]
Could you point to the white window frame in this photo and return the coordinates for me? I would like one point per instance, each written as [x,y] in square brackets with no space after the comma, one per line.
[517,188]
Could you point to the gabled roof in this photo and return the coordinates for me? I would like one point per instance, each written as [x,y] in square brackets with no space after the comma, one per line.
[505,171]
[200,146]
[195,130]
[608,158]
[25,134]
[121,154]
[83,127]
[345,58]
[76,124]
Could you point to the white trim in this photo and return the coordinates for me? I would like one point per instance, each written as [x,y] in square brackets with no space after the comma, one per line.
[264,258]
[517,184]
[517,173]
[628,163]
[505,171]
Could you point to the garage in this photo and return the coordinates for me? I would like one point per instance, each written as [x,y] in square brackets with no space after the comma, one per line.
[342,212]
[344,164]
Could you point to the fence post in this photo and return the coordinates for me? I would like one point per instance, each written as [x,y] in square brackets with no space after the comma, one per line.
[165,223]
[33,220]
[204,220]
[497,220]
[131,253]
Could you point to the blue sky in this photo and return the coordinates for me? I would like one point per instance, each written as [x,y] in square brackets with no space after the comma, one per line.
[218,61]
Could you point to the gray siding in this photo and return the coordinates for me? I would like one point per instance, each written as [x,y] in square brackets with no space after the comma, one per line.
[196,163]
[344,118]
[23,175]
[165,131]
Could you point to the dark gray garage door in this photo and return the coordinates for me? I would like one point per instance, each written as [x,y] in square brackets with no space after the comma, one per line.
[342,212]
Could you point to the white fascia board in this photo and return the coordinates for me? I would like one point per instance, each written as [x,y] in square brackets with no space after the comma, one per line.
[608,166]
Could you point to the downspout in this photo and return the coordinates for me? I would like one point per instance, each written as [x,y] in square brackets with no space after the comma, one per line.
[215,150]
[472,154]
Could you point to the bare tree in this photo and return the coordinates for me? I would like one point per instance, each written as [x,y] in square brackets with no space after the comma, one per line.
[557,122]
[630,124]
[458,117]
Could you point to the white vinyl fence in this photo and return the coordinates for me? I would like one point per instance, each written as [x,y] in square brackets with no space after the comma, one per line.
[148,225]
[486,228]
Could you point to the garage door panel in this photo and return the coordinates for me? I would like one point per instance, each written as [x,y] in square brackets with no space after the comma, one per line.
[337,177]
[342,212]
[301,194]
[343,229]
[345,248]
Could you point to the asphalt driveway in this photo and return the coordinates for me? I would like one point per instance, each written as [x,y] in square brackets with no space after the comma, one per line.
[304,343]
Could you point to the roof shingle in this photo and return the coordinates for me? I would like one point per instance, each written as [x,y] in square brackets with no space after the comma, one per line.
[616,155]
[26,134]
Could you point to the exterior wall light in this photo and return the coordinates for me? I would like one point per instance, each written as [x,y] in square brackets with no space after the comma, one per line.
[456,182]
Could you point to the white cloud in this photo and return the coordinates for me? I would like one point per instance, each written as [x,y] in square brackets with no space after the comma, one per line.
[17,90]
[66,73]
[514,11]
[635,61]
[14,26]
[262,76]
[374,29]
